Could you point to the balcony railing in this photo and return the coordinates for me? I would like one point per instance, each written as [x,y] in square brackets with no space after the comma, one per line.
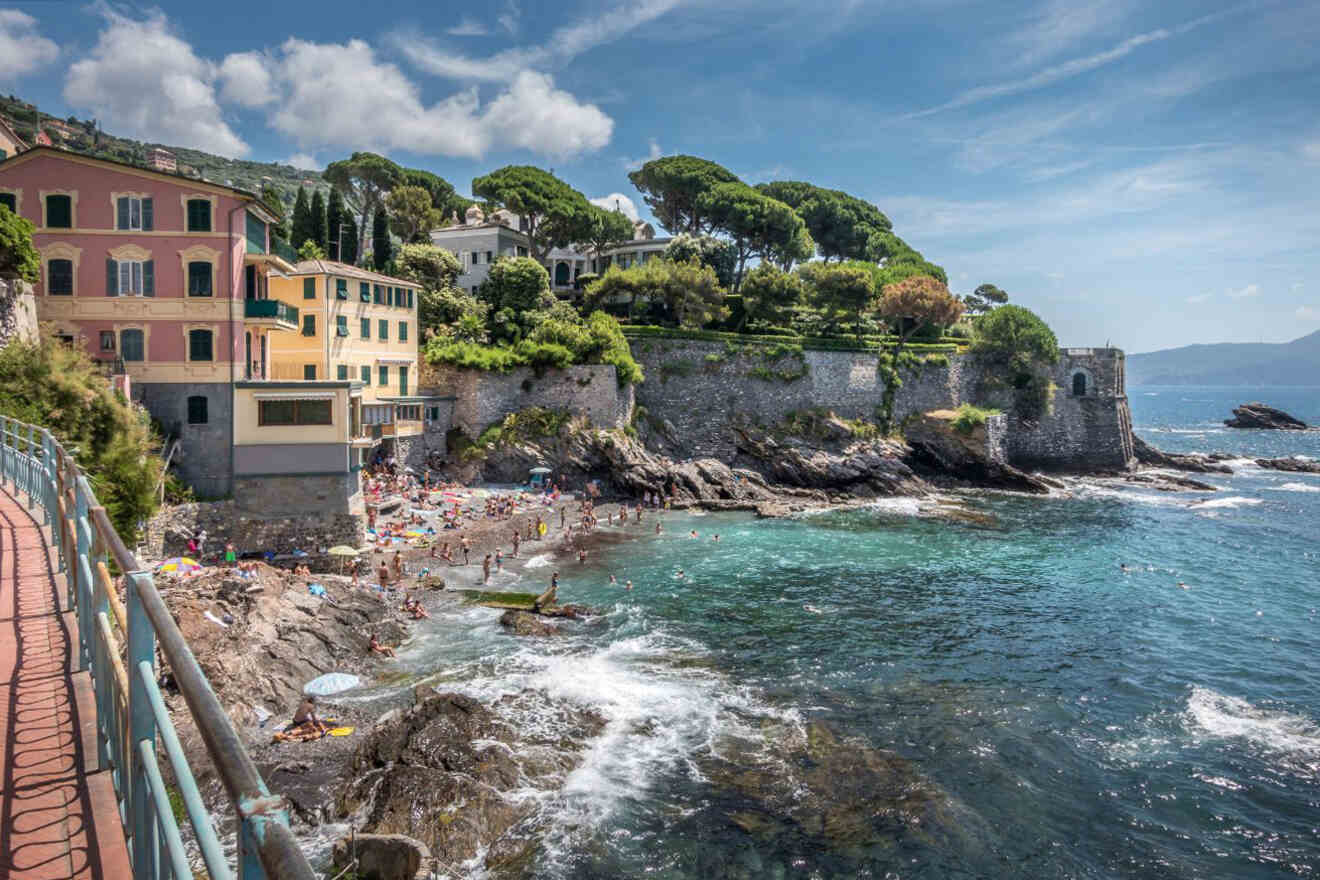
[284,250]
[271,308]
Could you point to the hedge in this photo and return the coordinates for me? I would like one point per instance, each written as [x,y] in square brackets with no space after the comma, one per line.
[819,343]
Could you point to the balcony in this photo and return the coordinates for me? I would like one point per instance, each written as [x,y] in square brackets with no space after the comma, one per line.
[273,314]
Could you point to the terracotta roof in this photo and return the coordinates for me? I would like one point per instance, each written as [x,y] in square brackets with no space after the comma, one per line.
[330,267]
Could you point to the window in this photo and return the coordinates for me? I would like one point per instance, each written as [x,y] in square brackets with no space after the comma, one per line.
[410,413]
[10,201]
[383,330]
[382,375]
[131,345]
[130,277]
[199,345]
[309,325]
[309,372]
[199,279]
[379,295]
[199,215]
[1079,384]
[403,381]
[475,258]
[364,330]
[197,410]
[488,257]
[133,213]
[366,375]
[389,296]
[341,288]
[341,372]
[59,212]
[522,251]
[364,291]
[341,325]
[107,340]
[377,415]
[403,331]
[59,277]
[293,412]
[309,288]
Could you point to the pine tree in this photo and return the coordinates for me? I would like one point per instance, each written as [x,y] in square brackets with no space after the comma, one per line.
[302,220]
[318,220]
[381,249]
[334,219]
[350,254]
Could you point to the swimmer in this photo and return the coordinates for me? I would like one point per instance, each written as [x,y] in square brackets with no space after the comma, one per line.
[693,534]
[1183,585]
[716,539]
[627,585]
[657,528]
[680,574]
[613,579]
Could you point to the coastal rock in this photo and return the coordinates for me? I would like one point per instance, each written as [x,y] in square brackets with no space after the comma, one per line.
[1258,415]
[1196,463]
[1292,465]
[524,623]
[937,444]
[829,460]
[384,856]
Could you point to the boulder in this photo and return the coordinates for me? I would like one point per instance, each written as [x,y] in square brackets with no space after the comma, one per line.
[1258,415]
[524,623]
[938,445]
[1202,464]
[1292,465]
[384,857]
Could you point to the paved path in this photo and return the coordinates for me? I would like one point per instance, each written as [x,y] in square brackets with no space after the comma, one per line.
[58,816]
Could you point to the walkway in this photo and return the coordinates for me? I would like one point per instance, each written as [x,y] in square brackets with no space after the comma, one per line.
[58,817]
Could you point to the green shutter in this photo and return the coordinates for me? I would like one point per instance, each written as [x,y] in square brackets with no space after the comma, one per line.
[341,288]
[403,331]
[382,375]
[309,288]
[342,372]
[364,291]
[111,278]
[149,278]
[121,213]
[383,330]
[148,218]
[365,329]
[366,375]
[309,325]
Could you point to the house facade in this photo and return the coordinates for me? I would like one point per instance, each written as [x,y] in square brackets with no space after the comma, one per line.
[162,278]
[10,143]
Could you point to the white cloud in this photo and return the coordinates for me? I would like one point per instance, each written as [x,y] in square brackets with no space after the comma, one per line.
[564,45]
[1199,298]
[508,19]
[304,161]
[1308,313]
[620,201]
[145,82]
[1059,25]
[22,49]
[1312,150]
[1244,292]
[467,27]
[652,152]
[344,96]
[245,80]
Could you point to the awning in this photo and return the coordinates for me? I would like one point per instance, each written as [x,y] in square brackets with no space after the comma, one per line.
[390,360]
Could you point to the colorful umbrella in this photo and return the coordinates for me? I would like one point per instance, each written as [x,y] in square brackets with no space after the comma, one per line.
[180,565]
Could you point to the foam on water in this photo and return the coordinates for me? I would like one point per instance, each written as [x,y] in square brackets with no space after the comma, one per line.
[540,560]
[1214,715]
[1229,502]
[1295,487]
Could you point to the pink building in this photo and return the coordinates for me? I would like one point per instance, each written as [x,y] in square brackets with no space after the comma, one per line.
[165,278]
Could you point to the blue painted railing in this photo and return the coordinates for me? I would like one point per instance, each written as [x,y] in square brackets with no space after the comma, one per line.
[131,718]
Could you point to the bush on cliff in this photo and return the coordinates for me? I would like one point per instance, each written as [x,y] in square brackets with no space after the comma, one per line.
[51,384]
[1018,348]
[18,257]
[969,418]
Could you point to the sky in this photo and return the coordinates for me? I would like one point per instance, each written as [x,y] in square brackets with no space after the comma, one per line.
[1145,175]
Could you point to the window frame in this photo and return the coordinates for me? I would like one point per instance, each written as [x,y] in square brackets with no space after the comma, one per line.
[383,329]
[108,335]
[188,204]
[193,338]
[341,326]
[309,325]
[309,287]
[296,419]
[50,276]
[45,209]
[191,275]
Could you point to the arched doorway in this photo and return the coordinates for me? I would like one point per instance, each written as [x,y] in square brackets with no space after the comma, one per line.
[561,274]
[1079,384]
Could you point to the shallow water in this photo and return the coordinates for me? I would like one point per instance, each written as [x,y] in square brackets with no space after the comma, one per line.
[1072,719]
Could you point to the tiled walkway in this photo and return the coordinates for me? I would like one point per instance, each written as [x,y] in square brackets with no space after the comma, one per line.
[58,817]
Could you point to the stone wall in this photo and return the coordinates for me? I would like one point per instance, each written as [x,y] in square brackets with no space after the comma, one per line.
[204,459]
[18,311]
[481,398]
[298,494]
[167,532]
[698,388]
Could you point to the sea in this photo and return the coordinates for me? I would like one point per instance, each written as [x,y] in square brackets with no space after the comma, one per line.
[1108,682]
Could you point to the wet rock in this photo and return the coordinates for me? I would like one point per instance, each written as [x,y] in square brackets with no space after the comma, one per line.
[384,857]
[874,467]
[937,444]
[1292,465]
[1258,415]
[524,623]
[1204,464]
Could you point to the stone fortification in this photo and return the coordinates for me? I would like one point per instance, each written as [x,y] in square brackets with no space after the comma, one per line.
[482,398]
[18,311]
[701,389]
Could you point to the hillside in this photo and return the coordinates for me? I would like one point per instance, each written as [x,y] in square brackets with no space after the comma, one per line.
[1228,363]
[85,136]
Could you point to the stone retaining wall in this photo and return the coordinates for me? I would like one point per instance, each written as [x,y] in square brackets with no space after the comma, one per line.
[18,311]
[483,398]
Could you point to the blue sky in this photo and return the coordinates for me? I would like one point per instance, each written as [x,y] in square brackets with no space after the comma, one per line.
[1141,174]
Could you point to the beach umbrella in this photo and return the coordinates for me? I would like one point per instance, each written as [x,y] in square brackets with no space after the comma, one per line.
[539,470]
[180,565]
[331,683]
[342,550]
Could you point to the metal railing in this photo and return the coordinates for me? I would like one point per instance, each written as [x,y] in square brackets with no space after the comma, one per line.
[117,643]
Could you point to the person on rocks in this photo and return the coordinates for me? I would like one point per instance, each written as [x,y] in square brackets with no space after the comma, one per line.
[546,599]
[201,542]
[231,555]
[397,565]
[467,548]
[375,647]
[383,576]
[517,539]
[485,570]
[304,718]
[561,517]
[499,559]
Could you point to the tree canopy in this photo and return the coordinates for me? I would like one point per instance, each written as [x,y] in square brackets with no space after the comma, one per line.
[841,225]
[756,223]
[917,301]
[301,228]
[412,214]
[1015,339]
[318,220]
[382,249]
[841,290]
[335,215]
[443,197]
[984,299]
[689,292]
[717,253]
[602,228]
[673,187]
[556,214]
[364,178]
[18,256]
[515,289]
[770,294]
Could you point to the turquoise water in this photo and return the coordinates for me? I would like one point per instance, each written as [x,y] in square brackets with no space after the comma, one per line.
[1072,719]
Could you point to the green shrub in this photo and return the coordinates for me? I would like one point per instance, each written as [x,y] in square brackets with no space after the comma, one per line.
[970,418]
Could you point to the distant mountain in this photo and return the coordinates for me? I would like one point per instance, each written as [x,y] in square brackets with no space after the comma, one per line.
[1230,363]
[85,136]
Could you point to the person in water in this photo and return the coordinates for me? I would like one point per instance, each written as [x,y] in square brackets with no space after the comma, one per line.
[547,598]
[627,585]
[304,718]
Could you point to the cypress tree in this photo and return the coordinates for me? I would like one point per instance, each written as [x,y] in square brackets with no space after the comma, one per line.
[334,219]
[302,220]
[318,220]
[381,250]
[350,254]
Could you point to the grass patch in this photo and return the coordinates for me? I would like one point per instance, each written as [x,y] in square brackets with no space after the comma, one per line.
[969,418]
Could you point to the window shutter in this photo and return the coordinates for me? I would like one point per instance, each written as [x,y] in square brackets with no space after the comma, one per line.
[149,278]
[121,210]
[147,218]
[111,278]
